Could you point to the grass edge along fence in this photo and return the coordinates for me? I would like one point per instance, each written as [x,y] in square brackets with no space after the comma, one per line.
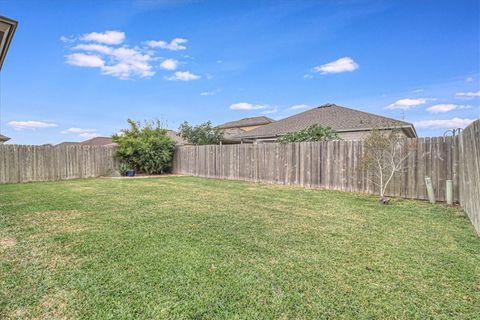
[27,163]
[337,165]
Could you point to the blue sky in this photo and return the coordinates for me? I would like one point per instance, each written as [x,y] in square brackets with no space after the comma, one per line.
[77,69]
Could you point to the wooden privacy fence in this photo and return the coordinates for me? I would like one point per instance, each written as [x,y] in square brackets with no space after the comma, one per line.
[23,163]
[331,165]
[337,165]
[469,172]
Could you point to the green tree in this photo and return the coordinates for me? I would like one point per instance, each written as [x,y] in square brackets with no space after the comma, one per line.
[201,134]
[312,133]
[145,147]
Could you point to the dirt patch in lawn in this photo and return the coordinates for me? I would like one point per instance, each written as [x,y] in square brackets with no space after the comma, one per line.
[8,242]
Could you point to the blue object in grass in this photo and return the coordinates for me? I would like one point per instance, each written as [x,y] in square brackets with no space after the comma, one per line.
[130,173]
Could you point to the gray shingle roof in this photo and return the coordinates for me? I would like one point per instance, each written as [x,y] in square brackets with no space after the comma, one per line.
[246,122]
[4,138]
[66,143]
[328,115]
[231,133]
[175,137]
[97,141]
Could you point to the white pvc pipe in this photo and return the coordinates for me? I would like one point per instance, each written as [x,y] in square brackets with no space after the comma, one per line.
[449,190]
[431,195]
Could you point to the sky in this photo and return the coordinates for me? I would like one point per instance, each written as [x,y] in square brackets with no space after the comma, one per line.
[79,69]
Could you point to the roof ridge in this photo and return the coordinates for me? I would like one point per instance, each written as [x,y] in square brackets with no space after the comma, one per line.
[372,114]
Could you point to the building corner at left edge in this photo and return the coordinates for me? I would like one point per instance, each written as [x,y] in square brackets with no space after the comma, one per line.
[7,31]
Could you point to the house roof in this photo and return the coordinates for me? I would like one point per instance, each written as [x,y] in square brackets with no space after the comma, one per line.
[98,141]
[340,119]
[231,133]
[4,138]
[175,137]
[107,141]
[7,30]
[246,122]
[66,143]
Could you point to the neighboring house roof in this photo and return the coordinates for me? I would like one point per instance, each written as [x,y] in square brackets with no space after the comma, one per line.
[175,137]
[66,143]
[7,30]
[231,133]
[107,141]
[338,118]
[4,138]
[246,122]
[98,141]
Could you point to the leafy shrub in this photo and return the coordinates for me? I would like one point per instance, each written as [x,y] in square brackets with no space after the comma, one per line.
[312,133]
[146,148]
[124,167]
[201,134]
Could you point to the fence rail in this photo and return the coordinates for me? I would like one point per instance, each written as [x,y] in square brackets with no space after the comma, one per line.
[24,163]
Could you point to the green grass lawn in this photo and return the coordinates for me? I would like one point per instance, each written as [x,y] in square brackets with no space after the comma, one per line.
[192,248]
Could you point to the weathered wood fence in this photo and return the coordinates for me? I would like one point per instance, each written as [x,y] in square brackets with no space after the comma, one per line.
[331,165]
[469,172]
[24,163]
[337,165]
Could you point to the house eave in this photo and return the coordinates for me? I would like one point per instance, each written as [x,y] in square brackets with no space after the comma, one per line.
[11,26]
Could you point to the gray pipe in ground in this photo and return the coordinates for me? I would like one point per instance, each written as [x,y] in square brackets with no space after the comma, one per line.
[449,190]
[431,195]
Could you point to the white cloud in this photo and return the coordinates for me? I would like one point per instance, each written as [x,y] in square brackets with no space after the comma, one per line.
[210,93]
[444,124]
[128,62]
[299,106]
[31,125]
[418,90]
[345,64]
[88,135]
[469,79]
[169,64]
[65,39]
[77,131]
[273,110]
[442,108]
[307,76]
[107,37]
[407,103]
[85,60]
[93,47]
[468,94]
[82,133]
[174,45]
[183,76]
[247,106]
[122,62]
